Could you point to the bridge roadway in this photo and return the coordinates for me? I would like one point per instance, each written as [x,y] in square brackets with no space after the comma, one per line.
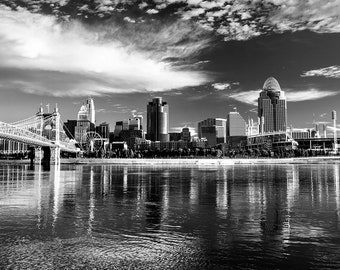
[13,133]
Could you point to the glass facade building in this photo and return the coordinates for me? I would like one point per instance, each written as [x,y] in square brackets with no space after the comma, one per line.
[158,120]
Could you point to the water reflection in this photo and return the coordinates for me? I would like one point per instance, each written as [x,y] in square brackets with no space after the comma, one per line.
[260,216]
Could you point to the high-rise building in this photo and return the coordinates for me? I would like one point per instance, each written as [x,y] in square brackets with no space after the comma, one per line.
[83,113]
[87,111]
[158,120]
[213,129]
[91,110]
[236,126]
[85,120]
[272,107]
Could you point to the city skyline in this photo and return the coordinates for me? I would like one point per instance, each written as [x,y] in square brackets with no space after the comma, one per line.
[124,55]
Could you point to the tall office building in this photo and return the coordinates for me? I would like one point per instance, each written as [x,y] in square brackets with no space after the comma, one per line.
[91,110]
[158,120]
[272,107]
[236,126]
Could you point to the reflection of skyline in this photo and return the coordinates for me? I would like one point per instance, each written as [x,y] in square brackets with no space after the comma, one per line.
[245,203]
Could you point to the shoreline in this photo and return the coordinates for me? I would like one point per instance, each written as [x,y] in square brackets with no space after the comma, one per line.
[207,161]
[190,161]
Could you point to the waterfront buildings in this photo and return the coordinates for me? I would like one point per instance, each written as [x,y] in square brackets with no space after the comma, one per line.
[158,120]
[272,107]
[213,129]
[129,131]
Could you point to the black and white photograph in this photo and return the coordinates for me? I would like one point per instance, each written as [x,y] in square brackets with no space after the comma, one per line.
[169,134]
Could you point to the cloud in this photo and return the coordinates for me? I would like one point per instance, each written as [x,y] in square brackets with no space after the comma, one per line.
[152,11]
[311,94]
[96,60]
[328,72]
[221,86]
[250,97]
[234,20]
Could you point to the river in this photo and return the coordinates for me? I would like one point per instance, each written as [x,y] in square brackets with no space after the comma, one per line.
[170,217]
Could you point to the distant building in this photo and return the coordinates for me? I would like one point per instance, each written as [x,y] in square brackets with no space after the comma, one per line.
[272,107]
[185,134]
[85,121]
[129,131]
[158,120]
[175,136]
[236,126]
[82,127]
[252,127]
[199,143]
[118,128]
[103,130]
[214,130]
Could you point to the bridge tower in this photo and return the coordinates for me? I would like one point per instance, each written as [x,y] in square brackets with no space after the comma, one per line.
[55,152]
[38,151]
[48,155]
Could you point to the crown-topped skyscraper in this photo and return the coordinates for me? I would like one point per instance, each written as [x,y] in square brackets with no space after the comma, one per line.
[272,107]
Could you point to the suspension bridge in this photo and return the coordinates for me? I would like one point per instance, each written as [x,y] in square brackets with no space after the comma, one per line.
[43,132]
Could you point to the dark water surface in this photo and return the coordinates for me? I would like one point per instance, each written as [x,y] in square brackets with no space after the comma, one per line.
[141,217]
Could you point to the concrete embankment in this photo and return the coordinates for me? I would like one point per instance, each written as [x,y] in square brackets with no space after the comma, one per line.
[193,161]
[190,161]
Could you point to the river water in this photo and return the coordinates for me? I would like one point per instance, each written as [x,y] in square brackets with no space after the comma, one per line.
[145,217]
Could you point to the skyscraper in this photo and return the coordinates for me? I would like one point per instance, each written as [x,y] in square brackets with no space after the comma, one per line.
[91,110]
[85,120]
[87,111]
[272,107]
[158,120]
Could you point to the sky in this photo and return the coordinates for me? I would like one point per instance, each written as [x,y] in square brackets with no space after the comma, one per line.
[203,57]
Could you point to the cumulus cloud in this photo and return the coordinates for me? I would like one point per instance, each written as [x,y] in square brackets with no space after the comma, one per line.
[328,72]
[250,97]
[98,61]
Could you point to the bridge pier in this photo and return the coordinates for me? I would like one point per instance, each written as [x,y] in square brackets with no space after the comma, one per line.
[55,156]
[38,155]
[46,155]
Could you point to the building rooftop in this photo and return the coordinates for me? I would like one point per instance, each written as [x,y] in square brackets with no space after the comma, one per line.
[271,84]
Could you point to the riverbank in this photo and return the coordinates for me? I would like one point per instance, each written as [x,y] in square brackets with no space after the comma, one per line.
[202,162]
[191,161]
